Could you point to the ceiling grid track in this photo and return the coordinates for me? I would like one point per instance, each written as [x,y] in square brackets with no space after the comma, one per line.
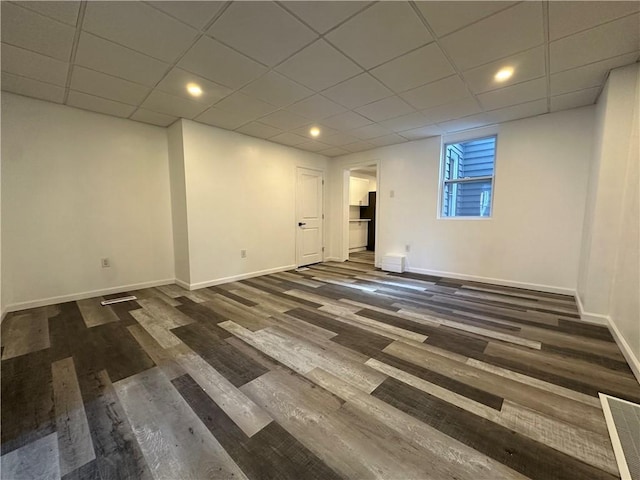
[74,49]
[547,57]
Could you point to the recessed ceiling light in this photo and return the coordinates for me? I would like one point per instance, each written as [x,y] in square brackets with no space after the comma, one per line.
[504,74]
[315,131]
[194,89]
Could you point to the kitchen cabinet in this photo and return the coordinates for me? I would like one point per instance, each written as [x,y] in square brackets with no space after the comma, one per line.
[358,234]
[358,191]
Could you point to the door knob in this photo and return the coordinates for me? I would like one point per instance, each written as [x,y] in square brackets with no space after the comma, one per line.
[301,224]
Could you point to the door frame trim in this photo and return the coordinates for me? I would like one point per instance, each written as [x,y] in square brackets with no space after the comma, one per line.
[322,220]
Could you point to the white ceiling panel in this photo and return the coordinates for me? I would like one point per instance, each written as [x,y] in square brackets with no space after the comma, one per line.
[385,140]
[386,108]
[107,57]
[106,86]
[407,122]
[334,152]
[284,120]
[449,111]
[445,17]
[154,118]
[566,18]
[324,132]
[229,120]
[529,109]
[19,61]
[206,56]
[422,132]
[100,105]
[416,68]
[370,131]
[316,107]
[288,138]
[437,93]
[195,14]
[245,105]
[606,41]
[339,139]
[346,121]
[472,121]
[277,90]
[526,66]
[574,99]
[319,66]
[514,94]
[260,130]
[28,29]
[176,81]
[358,91]
[63,11]
[380,33]
[313,146]
[262,30]
[323,16]
[358,147]
[32,88]
[140,27]
[510,31]
[171,105]
[591,75]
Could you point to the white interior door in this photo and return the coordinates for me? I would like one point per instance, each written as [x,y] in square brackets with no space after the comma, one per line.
[309,213]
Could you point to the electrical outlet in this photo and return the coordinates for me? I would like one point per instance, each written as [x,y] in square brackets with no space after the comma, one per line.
[105,262]
[243,254]
[407,248]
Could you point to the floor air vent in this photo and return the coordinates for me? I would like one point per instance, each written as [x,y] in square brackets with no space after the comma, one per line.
[104,303]
[623,422]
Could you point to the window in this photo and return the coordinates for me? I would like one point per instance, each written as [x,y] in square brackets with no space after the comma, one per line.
[467,178]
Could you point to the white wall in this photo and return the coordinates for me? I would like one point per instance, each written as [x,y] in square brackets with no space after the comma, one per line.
[533,238]
[240,194]
[79,186]
[609,280]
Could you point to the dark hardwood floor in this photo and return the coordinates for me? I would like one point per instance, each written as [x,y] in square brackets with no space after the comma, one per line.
[335,371]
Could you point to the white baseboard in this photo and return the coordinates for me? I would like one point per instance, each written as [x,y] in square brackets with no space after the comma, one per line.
[14,307]
[589,317]
[495,281]
[625,348]
[333,259]
[235,278]
[3,314]
[182,283]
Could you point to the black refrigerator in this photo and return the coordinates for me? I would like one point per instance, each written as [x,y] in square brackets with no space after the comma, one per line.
[370,213]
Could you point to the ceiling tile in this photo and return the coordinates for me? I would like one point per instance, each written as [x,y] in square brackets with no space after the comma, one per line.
[369,131]
[526,66]
[591,75]
[287,138]
[284,120]
[608,40]
[154,118]
[436,93]
[358,91]
[229,120]
[105,86]
[514,94]
[32,88]
[339,139]
[177,80]
[449,111]
[313,146]
[414,69]
[196,14]
[206,56]
[316,107]
[262,30]
[276,89]
[334,152]
[304,131]
[407,122]
[472,121]
[319,66]
[66,11]
[505,33]
[386,108]
[358,147]
[27,29]
[162,102]
[574,99]
[107,57]
[33,65]
[100,105]
[260,130]
[566,18]
[445,17]
[322,16]
[346,121]
[248,106]
[529,109]
[380,33]
[140,27]
[422,132]
[390,139]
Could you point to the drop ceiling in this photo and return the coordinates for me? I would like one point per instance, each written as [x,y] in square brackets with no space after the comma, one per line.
[368,74]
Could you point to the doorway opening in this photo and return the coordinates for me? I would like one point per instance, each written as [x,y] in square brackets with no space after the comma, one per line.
[363,203]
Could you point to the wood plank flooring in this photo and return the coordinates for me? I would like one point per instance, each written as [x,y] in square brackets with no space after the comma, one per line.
[334,371]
